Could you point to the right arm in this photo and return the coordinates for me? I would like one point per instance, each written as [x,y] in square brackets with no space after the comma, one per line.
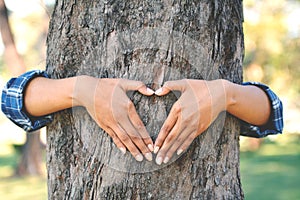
[45,96]
[105,100]
[200,104]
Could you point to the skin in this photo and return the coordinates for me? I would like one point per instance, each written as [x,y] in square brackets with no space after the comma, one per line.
[106,101]
[199,105]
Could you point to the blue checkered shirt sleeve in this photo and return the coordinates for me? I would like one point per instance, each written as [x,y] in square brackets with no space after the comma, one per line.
[12,104]
[13,107]
[275,123]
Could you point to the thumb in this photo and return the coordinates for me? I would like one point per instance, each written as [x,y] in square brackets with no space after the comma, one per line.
[145,90]
[168,86]
[136,85]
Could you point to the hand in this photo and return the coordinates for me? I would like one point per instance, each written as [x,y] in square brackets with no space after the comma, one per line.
[198,106]
[107,103]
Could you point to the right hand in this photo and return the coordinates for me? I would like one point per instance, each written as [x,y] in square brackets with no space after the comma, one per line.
[198,106]
[107,103]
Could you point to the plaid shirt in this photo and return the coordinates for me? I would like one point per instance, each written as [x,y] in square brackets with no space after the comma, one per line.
[275,123]
[12,102]
[13,107]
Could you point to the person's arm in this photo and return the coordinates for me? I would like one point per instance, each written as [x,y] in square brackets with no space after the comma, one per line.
[12,102]
[199,105]
[247,102]
[105,100]
[44,96]
[274,125]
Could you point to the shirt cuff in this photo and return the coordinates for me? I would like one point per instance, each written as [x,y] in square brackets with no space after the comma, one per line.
[275,122]
[12,102]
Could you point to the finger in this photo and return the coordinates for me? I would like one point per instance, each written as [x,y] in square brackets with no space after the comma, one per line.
[162,91]
[138,142]
[178,85]
[116,140]
[145,90]
[136,137]
[181,139]
[167,126]
[169,141]
[139,127]
[187,142]
[126,140]
[128,85]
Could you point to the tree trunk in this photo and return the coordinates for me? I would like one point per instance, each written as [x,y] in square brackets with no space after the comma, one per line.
[31,159]
[14,61]
[151,41]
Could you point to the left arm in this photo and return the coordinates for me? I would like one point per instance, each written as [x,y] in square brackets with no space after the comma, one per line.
[200,104]
[248,103]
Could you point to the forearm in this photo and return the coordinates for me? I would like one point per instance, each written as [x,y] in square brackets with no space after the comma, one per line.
[248,103]
[44,96]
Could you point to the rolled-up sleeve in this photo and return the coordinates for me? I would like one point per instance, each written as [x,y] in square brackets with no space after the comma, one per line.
[12,102]
[275,122]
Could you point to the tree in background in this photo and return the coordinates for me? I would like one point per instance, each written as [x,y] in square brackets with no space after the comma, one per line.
[31,159]
[152,41]
[14,61]
[272,51]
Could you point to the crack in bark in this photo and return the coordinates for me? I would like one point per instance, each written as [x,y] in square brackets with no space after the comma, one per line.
[83,43]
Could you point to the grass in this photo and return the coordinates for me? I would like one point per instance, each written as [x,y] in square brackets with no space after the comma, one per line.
[33,188]
[272,172]
[14,188]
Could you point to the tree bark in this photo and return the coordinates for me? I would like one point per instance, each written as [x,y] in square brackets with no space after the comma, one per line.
[151,41]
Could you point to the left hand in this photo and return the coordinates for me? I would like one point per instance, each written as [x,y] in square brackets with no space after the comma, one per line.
[107,103]
[198,106]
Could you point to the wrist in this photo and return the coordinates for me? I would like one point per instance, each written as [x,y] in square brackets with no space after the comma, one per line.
[83,90]
[218,94]
[230,98]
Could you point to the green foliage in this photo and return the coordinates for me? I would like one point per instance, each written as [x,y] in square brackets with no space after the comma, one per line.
[271,51]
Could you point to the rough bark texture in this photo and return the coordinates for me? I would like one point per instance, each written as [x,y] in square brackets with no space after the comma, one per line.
[152,41]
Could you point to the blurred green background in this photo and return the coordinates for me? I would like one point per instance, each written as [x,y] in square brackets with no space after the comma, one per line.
[270,167]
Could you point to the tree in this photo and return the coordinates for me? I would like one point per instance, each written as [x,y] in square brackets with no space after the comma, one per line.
[152,41]
[14,61]
[31,159]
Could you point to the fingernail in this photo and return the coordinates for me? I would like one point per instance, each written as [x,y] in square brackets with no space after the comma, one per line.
[166,159]
[158,91]
[139,158]
[123,150]
[179,151]
[150,91]
[148,156]
[150,147]
[158,160]
[156,148]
